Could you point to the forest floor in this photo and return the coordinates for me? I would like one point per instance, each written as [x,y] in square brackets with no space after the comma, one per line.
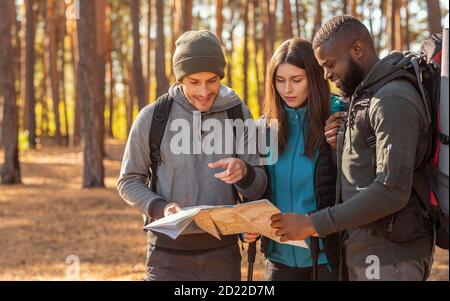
[49,217]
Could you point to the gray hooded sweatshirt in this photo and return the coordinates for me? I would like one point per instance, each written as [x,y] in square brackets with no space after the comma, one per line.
[184,178]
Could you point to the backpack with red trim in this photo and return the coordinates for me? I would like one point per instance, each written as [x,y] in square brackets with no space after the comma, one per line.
[431,179]
[434,74]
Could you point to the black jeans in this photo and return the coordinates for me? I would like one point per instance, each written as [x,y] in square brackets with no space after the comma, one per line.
[279,272]
[221,264]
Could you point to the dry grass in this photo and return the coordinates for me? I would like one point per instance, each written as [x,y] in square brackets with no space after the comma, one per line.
[49,217]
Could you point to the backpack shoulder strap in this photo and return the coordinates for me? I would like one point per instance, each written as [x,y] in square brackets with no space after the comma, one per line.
[366,127]
[234,113]
[160,117]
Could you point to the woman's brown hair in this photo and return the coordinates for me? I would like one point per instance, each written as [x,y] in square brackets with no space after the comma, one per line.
[299,53]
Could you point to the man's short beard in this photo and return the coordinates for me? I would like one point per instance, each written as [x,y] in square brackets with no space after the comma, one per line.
[352,79]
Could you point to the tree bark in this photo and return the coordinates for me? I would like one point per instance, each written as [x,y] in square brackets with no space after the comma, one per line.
[245,8]
[161,78]
[254,24]
[298,18]
[287,20]
[101,49]
[149,50]
[219,19]
[317,18]
[30,101]
[10,172]
[434,16]
[76,137]
[90,104]
[53,67]
[138,78]
[353,8]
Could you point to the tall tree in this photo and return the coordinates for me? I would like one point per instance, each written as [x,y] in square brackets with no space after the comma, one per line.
[10,172]
[405,31]
[268,9]
[149,49]
[101,54]
[245,7]
[186,24]
[390,23]
[298,17]
[111,80]
[161,78]
[233,6]
[30,102]
[219,19]
[52,33]
[353,8]
[398,26]
[138,78]
[76,137]
[87,82]
[317,18]
[287,20]
[434,16]
[256,41]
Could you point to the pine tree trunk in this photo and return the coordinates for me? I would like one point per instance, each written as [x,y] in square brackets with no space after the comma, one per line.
[30,101]
[398,26]
[138,78]
[317,18]
[434,16]
[390,24]
[149,51]
[53,67]
[129,100]
[406,40]
[10,172]
[298,18]
[76,138]
[254,24]
[230,49]
[161,78]
[245,8]
[353,8]
[100,30]
[287,20]
[219,19]
[187,15]
[90,104]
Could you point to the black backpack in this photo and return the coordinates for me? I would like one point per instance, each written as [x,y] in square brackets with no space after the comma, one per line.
[430,184]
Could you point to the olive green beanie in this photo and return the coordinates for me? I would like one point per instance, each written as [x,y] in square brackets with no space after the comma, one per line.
[198,51]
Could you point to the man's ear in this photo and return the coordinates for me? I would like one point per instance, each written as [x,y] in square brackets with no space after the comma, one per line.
[357,50]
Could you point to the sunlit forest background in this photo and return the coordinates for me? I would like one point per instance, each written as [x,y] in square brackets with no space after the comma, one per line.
[73,76]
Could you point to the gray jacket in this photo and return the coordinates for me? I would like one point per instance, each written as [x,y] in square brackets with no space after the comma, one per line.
[371,193]
[184,178]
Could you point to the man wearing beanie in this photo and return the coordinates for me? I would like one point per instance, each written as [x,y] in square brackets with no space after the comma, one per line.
[192,178]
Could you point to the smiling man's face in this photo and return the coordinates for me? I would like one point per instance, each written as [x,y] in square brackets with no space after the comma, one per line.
[339,66]
[201,89]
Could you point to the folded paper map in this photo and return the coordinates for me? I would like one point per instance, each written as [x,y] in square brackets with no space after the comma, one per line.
[251,217]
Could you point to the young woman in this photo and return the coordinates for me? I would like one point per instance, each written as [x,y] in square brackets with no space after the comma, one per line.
[303,179]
